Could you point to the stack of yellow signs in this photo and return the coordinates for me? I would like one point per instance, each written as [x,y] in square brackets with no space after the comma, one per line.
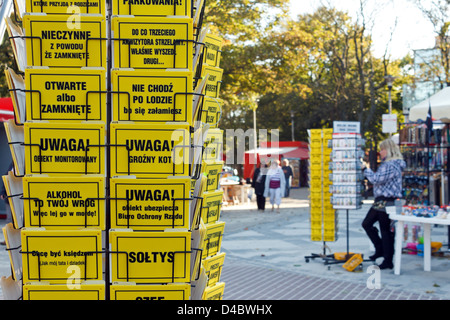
[322,215]
[57,189]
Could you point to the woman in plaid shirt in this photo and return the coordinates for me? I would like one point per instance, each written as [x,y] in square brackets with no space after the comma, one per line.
[387,186]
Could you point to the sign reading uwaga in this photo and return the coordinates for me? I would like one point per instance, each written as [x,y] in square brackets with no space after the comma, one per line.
[150,151]
[152,7]
[65,7]
[150,257]
[55,41]
[159,96]
[64,202]
[55,256]
[150,292]
[66,94]
[64,149]
[159,43]
[82,291]
[150,204]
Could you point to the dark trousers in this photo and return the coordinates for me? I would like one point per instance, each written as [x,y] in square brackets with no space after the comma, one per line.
[385,244]
[261,201]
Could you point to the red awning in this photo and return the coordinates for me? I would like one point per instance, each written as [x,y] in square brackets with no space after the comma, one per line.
[6,109]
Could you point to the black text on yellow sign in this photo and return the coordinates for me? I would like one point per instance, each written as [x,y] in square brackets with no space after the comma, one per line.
[66,7]
[51,292]
[211,111]
[59,41]
[214,80]
[213,172]
[215,292]
[66,94]
[152,7]
[212,53]
[212,204]
[213,239]
[157,96]
[213,268]
[64,202]
[213,146]
[150,257]
[158,43]
[150,204]
[64,149]
[150,151]
[61,256]
[150,292]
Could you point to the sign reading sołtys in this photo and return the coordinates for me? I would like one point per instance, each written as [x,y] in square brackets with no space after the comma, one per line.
[159,96]
[65,7]
[55,256]
[64,202]
[150,204]
[66,94]
[159,43]
[64,149]
[177,291]
[54,41]
[150,257]
[150,151]
[152,7]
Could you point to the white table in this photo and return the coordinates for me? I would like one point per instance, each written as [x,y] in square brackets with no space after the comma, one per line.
[426,223]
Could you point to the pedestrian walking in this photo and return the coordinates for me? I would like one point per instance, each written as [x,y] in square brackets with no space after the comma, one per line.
[288,174]
[259,183]
[387,186]
[275,184]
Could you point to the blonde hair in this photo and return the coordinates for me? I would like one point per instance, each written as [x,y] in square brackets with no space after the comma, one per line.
[393,151]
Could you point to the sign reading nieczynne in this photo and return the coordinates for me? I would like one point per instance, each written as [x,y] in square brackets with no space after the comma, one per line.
[65,7]
[157,43]
[54,41]
[152,8]
[150,204]
[48,255]
[64,149]
[66,94]
[150,257]
[150,151]
[159,96]
[64,202]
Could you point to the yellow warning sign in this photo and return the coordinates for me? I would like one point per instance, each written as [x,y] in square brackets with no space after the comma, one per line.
[213,50]
[150,292]
[211,111]
[157,96]
[61,256]
[150,204]
[152,151]
[64,202]
[213,146]
[65,7]
[215,292]
[64,149]
[66,94]
[213,268]
[87,290]
[212,204]
[61,41]
[213,172]
[150,257]
[213,239]
[214,80]
[157,43]
[152,8]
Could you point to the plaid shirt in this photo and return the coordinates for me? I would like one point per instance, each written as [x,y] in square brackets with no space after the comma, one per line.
[387,181]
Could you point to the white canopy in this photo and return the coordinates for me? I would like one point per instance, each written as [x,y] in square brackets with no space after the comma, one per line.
[440,107]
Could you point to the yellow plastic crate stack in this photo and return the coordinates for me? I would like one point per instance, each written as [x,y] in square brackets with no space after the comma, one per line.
[57,189]
[322,216]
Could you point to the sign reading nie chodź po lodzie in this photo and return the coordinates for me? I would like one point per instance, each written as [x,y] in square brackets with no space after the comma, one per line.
[150,151]
[58,41]
[152,7]
[85,290]
[54,256]
[66,7]
[178,291]
[65,149]
[64,202]
[152,97]
[150,204]
[66,94]
[150,257]
[157,43]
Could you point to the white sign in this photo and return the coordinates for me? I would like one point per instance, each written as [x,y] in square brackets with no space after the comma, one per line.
[346,127]
[389,123]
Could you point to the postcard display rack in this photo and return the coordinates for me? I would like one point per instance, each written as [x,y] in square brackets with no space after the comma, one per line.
[117,153]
